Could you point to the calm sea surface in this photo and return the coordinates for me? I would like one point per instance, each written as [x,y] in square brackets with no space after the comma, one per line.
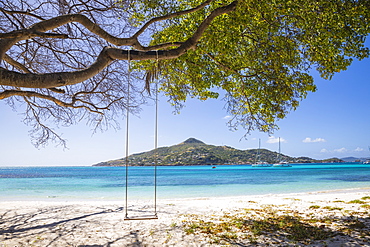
[108,183]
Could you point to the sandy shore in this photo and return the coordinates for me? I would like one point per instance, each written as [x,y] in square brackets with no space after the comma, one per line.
[181,221]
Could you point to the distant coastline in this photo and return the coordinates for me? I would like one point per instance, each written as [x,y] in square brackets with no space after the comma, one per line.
[105,164]
[193,152]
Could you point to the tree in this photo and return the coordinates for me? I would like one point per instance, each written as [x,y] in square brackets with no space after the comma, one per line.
[68,60]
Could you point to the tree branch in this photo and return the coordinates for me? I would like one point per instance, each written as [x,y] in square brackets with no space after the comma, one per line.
[58,21]
[29,33]
[107,55]
[13,12]
[16,64]
[9,93]
[40,132]
[166,17]
[225,67]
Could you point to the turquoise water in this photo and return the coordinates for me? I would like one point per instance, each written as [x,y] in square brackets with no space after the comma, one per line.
[108,183]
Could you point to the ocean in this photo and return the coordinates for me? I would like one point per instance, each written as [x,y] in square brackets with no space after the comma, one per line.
[108,183]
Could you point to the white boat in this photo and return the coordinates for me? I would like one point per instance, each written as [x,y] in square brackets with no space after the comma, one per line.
[259,163]
[367,162]
[280,162]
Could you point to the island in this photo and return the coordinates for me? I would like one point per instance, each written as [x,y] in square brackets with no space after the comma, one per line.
[195,152]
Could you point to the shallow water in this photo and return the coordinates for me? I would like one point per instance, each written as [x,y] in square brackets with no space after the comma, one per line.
[108,183]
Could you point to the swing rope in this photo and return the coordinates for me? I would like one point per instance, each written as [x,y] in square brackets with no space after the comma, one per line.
[156,138]
[155,145]
[127,128]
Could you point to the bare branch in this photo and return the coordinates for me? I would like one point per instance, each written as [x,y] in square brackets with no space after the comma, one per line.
[16,64]
[47,53]
[13,12]
[41,133]
[9,93]
[58,21]
[57,90]
[107,55]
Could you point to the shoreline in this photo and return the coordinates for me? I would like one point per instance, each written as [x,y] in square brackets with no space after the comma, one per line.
[182,165]
[101,223]
[106,200]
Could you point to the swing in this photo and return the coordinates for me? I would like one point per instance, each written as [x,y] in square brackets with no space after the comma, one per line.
[154,215]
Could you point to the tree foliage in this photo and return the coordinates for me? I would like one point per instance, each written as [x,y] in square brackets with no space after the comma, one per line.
[68,60]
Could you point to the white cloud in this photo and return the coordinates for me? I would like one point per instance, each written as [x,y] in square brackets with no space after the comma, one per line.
[226,117]
[273,139]
[340,150]
[309,140]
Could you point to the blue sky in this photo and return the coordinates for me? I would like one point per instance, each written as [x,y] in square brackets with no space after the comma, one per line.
[332,122]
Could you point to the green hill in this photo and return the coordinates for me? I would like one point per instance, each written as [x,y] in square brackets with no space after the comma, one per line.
[195,152]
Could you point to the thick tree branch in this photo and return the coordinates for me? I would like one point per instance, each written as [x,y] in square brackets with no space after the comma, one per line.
[157,47]
[9,93]
[58,21]
[57,90]
[166,17]
[29,33]
[52,80]
[107,55]
[39,29]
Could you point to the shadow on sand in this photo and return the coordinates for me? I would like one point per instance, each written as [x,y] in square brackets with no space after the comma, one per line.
[94,226]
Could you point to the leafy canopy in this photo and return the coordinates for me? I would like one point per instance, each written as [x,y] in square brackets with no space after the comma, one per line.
[63,58]
[261,54]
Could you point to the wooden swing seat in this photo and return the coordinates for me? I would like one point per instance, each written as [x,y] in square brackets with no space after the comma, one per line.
[142,217]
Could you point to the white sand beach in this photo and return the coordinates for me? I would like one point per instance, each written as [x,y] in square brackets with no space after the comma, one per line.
[343,214]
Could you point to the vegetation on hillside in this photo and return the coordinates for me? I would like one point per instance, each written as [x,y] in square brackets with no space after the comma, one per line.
[195,152]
